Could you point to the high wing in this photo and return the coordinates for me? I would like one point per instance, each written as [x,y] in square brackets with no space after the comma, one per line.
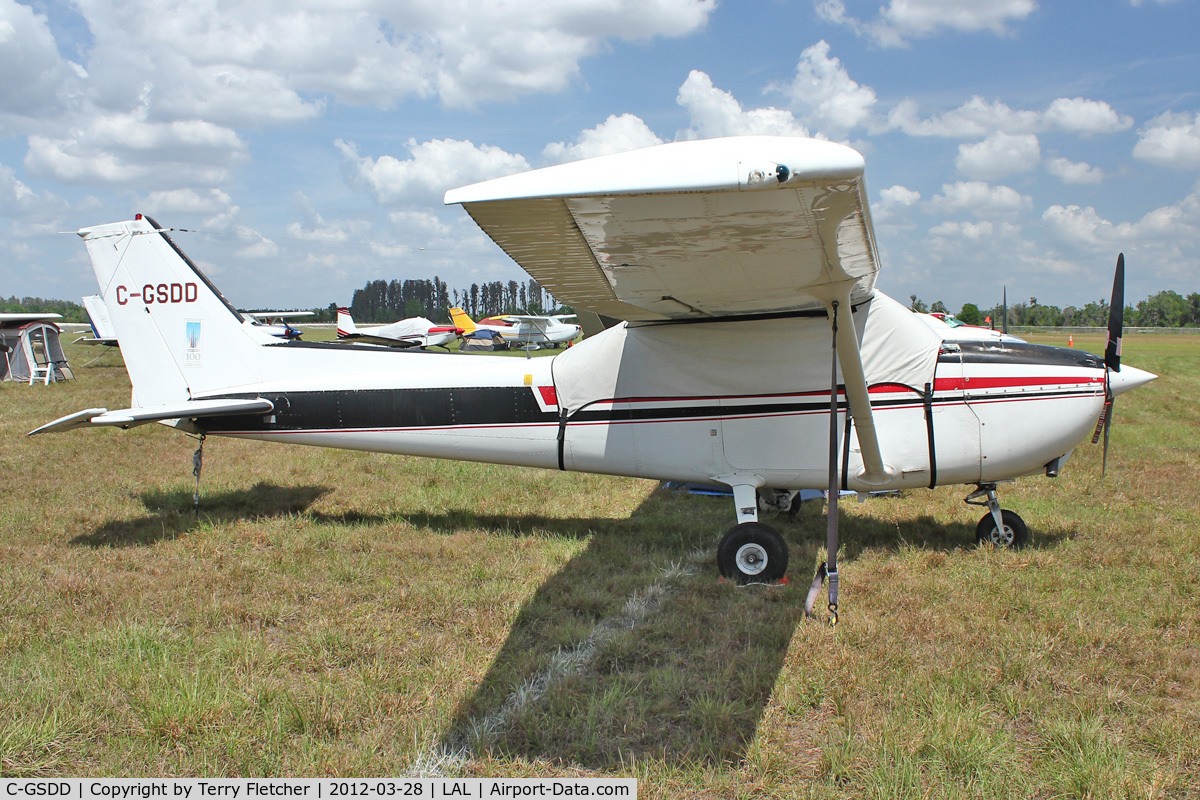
[132,417]
[28,317]
[710,228]
[263,316]
[690,230]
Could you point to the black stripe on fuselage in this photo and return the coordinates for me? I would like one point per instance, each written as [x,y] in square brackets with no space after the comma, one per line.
[510,406]
[388,408]
[1021,353]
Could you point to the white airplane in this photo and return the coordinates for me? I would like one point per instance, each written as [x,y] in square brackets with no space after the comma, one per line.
[20,318]
[276,322]
[103,332]
[550,331]
[707,249]
[952,329]
[411,332]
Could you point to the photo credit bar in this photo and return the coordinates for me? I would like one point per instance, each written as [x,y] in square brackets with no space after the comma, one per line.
[312,788]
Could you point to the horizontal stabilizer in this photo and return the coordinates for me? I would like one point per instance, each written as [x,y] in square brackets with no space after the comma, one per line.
[132,417]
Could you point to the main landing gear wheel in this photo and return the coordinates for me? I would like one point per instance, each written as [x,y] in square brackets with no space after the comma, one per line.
[1014,535]
[752,553]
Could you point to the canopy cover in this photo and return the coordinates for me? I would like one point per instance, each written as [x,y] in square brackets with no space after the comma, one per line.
[724,359]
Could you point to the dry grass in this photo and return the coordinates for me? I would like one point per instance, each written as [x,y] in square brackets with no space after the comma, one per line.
[334,613]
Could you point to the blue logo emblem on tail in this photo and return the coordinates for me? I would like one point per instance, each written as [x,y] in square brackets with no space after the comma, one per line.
[192,357]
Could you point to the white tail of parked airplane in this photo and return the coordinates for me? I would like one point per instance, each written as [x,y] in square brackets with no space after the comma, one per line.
[180,337]
[102,327]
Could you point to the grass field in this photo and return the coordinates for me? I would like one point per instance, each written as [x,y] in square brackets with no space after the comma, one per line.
[338,613]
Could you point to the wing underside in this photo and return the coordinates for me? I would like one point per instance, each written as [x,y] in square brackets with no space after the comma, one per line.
[779,226]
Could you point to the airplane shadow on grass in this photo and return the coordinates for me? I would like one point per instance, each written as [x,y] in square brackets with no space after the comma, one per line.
[635,650]
[171,513]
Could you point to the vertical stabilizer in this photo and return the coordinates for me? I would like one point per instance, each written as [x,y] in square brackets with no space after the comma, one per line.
[179,336]
[345,323]
[461,320]
[102,327]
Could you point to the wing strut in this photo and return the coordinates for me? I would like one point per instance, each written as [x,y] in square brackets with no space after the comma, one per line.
[874,470]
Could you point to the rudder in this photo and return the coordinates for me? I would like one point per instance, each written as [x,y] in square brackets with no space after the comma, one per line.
[179,336]
[461,320]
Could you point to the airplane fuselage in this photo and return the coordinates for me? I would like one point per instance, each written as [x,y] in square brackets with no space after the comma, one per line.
[988,413]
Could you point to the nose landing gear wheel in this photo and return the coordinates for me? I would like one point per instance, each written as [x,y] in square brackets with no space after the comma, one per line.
[1015,534]
[752,553]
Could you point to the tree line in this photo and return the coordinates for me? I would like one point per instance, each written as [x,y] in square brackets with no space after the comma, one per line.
[1167,309]
[388,301]
[71,312]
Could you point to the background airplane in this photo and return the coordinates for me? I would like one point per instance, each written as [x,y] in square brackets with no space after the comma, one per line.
[103,332]
[550,330]
[734,242]
[276,322]
[952,329]
[411,332]
[10,319]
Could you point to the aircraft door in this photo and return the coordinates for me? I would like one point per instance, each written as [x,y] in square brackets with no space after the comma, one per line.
[775,434]
[955,428]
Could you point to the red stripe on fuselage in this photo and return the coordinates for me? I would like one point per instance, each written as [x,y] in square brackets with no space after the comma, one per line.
[962,384]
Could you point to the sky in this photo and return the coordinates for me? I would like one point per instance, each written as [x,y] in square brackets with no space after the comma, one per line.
[303,148]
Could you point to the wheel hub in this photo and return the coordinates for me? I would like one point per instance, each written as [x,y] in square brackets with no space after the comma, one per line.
[751,558]
[1002,537]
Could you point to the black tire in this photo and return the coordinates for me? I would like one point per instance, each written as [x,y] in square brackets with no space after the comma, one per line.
[1015,534]
[752,553]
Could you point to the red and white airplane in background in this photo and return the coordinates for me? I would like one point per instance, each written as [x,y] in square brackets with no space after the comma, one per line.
[550,331]
[706,250]
[411,332]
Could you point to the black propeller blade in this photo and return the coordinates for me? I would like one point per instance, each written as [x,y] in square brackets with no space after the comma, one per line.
[1112,357]
[1116,318]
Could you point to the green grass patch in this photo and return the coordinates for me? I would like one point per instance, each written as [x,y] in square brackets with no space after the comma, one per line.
[338,613]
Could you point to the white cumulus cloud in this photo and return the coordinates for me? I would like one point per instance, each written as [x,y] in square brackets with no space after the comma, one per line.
[39,86]
[1073,172]
[127,148]
[1170,140]
[1082,116]
[978,118]
[901,20]
[435,166]
[998,155]
[825,94]
[980,199]
[615,135]
[715,112]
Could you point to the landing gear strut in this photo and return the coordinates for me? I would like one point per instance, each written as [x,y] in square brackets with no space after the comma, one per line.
[750,552]
[1001,528]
